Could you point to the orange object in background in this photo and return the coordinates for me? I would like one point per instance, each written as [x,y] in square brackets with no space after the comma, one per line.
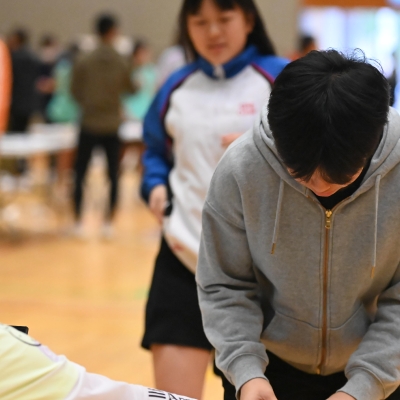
[5,85]
[346,3]
[351,3]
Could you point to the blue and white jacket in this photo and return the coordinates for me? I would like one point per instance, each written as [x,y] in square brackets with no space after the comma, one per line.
[183,129]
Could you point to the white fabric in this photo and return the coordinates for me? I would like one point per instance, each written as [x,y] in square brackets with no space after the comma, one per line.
[98,387]
[201,111]
[131,131]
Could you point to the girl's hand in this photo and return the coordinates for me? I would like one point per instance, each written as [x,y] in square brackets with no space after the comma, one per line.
[341,396]
[257,389]
[158,201]
[226,140]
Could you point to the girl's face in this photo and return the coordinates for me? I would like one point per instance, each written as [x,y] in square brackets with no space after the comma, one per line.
[219,35]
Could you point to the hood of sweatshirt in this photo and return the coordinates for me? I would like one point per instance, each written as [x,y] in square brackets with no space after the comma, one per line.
[385,158]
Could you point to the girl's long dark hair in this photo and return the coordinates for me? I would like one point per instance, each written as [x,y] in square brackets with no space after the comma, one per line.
[258,37]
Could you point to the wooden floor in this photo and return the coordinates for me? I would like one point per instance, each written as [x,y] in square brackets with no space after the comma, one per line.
[83,298]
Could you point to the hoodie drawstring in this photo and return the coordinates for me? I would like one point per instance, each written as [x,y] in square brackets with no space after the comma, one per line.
[377,182]
[277,216]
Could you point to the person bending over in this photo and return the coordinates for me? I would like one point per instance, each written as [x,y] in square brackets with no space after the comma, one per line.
[298,273]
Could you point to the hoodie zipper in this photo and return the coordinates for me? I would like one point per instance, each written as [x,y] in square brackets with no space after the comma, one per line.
[324,340]
[328,221]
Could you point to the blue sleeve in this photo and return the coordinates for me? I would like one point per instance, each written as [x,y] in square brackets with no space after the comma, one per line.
[157,160]
[157,157]
[271,66]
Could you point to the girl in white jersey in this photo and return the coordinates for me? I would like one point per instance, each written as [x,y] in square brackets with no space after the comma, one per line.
[197,113]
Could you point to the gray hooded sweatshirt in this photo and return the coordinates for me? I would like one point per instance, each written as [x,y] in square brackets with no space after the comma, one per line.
[319,288]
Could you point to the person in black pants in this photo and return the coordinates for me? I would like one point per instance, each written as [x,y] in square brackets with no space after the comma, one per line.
[99,79]
[111,145]
[25,72]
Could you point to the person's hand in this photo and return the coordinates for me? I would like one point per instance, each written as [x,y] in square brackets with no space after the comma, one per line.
[158,201]
[341,396]
[226,140]
[257,389]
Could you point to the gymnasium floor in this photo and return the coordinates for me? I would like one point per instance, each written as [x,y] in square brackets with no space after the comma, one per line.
[83,298]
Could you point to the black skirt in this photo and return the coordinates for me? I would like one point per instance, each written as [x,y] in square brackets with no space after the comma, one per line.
[172,312]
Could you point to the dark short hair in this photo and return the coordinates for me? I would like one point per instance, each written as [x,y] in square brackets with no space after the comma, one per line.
[305,41]
[47,40]
[105,23]
[22,36]
[258,36]
[327,112]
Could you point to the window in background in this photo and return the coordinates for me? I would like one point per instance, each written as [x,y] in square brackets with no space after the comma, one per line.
[374,30]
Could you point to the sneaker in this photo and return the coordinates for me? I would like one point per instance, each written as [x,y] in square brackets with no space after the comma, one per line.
[78,231]
[107,231]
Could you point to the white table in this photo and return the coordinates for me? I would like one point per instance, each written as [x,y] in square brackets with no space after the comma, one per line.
[131,132]
[53,138]
[43,138]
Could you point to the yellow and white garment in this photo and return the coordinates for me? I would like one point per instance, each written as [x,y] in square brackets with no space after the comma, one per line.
[30,371]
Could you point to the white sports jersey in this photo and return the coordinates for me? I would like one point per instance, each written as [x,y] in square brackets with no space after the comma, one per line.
[201,111]
[183,133]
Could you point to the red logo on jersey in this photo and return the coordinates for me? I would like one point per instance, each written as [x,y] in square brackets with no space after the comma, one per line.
[247,109]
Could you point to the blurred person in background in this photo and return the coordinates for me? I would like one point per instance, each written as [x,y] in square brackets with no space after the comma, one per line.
[99,80]
[199,111]
[49,52]
[306,43]
[144,76]
[171,59]
[62,107]
[25,72]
